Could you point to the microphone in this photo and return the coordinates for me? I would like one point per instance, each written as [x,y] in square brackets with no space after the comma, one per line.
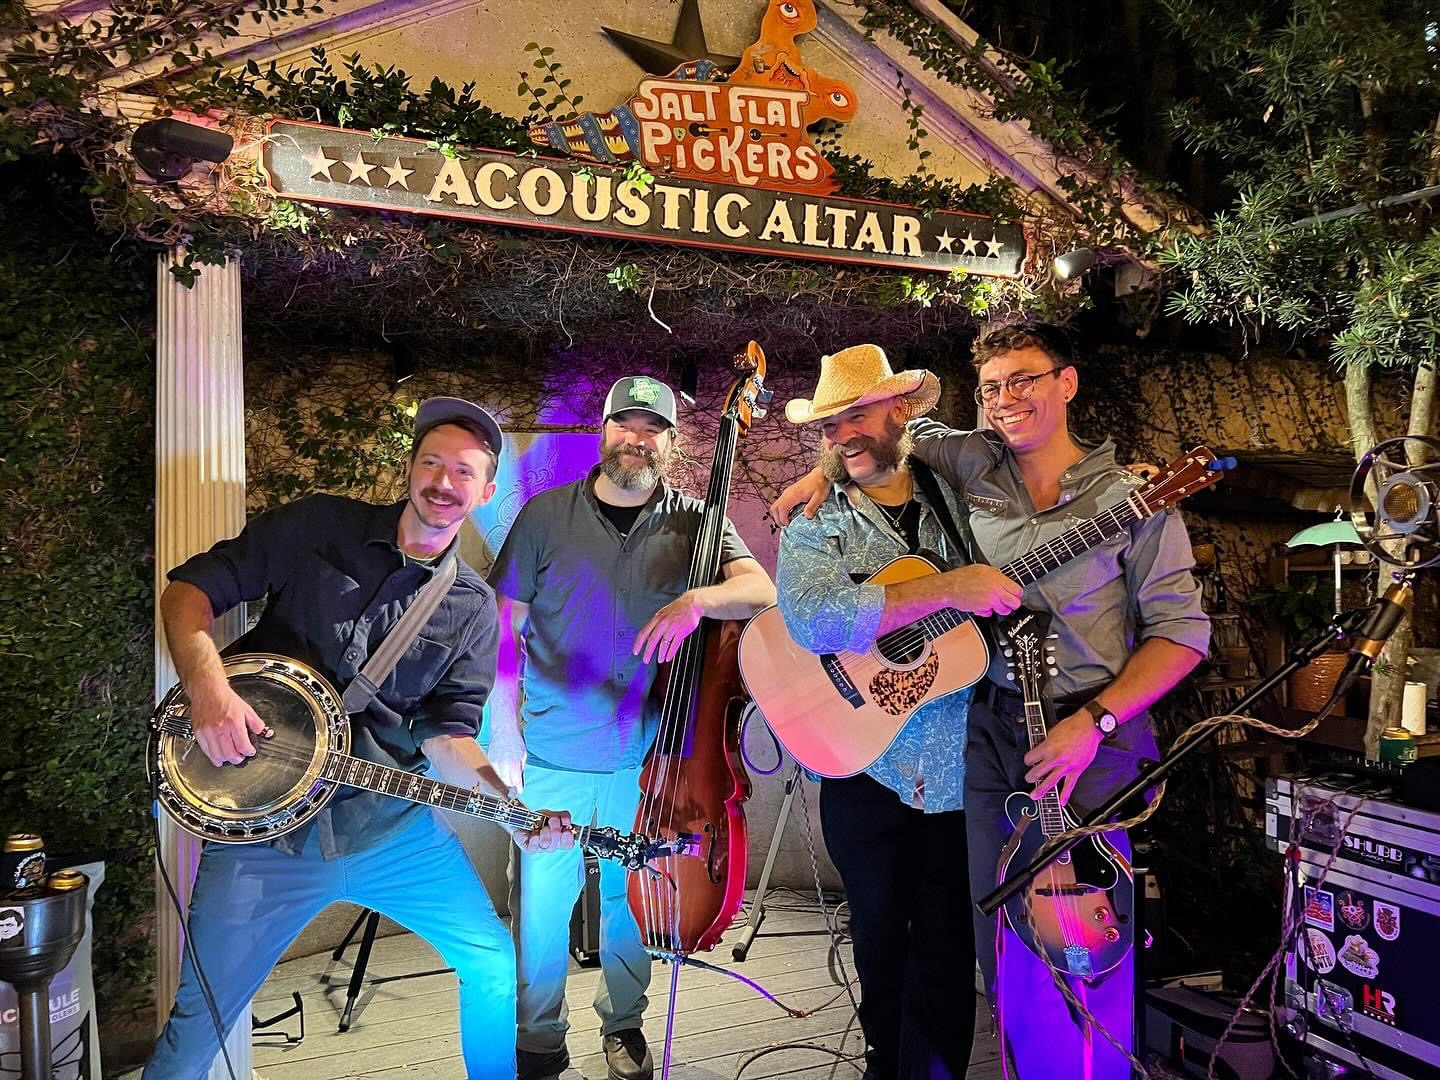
[1370,638]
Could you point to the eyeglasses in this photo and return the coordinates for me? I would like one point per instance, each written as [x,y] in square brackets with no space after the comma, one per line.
[1020,386]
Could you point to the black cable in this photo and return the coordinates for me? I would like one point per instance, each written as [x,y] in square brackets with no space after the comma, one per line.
[189,941]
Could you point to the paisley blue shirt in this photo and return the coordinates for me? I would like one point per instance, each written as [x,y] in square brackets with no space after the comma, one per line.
[827,608]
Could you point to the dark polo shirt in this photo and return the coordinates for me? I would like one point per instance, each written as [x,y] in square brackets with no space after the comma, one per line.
[334,584]
[587,699]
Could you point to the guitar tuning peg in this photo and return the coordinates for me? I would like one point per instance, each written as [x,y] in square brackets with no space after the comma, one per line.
[1054,671]
[1009,652]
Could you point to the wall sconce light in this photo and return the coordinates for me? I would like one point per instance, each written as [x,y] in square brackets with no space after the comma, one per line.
[166,149]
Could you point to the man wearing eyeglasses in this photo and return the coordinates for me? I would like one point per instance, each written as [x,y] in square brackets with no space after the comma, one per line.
[1129,627]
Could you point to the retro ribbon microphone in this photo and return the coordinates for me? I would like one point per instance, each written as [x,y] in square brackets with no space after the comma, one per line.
[1406,497]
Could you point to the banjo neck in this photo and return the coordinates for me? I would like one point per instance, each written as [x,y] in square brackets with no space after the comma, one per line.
[413,787]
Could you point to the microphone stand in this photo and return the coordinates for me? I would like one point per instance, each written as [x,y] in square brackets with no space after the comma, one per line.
[1152,773]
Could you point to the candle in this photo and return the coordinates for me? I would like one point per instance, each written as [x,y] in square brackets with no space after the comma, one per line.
[1412,708]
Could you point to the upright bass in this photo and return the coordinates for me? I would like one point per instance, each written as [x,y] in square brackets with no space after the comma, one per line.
[694,781]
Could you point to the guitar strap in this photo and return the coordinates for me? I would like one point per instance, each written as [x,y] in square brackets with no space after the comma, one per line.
[366,684]
[960,536]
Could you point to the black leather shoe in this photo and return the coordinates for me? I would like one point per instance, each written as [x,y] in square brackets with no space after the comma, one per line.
[530,1065]
[627,1056]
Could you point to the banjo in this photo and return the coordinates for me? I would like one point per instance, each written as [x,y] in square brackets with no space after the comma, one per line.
[297,770]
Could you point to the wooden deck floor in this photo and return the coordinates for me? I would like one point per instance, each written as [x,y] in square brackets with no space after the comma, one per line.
[409,1029]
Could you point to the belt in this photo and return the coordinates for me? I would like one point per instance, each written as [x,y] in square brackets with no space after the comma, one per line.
[997,697]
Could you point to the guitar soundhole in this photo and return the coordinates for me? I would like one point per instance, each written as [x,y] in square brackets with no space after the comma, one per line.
[279,763]
[905,651]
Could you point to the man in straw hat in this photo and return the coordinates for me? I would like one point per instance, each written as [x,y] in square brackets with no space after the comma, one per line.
[896,832]
[337,574]
[1129,626]
[592,581]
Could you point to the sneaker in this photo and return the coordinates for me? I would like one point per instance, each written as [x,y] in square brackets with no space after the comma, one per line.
[627,1056]
[541,1065]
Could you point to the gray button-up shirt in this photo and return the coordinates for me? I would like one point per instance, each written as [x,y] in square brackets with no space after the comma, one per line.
[587,703]
[1133,587]
[827,610]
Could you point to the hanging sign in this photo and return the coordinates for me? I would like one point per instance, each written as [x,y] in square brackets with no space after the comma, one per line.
[313,163]
[725,160]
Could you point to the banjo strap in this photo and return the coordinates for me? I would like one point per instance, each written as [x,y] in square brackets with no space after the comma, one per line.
[366,684]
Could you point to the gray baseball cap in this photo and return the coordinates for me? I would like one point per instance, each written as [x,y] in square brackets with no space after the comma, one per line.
[643,393]
[439,410]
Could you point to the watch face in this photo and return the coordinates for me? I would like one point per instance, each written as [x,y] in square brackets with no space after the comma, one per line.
[1107,723]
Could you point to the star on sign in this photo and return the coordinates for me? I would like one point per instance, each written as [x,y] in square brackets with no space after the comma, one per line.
[397,174]
[993,248]
[970,244]
[663,57]
[319,163]
[944,241]
[359,168]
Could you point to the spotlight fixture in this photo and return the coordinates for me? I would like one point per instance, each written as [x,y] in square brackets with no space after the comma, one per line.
[1074,263]
[167,148]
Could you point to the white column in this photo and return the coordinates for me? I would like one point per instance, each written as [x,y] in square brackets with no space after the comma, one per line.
[199,499]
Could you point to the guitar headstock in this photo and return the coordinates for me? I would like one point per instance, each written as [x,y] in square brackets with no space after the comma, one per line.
[1028,646]
[635,851]
[1183,477]
[748,395]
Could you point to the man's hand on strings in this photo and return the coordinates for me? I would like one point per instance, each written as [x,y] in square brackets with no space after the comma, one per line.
[1064,755]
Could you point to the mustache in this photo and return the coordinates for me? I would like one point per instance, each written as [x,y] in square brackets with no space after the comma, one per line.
[439,496]
[649,456]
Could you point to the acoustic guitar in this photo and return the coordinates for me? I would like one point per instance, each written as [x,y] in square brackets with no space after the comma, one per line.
[837,713]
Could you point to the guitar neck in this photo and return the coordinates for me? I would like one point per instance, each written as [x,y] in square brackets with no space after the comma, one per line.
[1075,542]
[369,776]
[1036,564]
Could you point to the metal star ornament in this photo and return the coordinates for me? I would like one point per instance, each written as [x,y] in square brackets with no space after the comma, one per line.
[688,43]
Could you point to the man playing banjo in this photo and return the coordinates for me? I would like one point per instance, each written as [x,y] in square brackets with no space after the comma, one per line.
[337,574]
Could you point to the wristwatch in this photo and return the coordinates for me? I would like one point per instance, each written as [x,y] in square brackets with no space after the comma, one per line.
[1105,720]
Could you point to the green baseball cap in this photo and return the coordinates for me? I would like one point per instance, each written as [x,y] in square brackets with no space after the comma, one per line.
[643,393]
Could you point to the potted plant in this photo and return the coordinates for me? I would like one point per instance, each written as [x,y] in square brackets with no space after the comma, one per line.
[1300,607]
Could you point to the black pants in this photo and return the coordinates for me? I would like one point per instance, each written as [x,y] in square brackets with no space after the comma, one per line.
[995,767]
[907,885]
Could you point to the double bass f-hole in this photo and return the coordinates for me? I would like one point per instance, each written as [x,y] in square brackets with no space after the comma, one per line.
[712,851]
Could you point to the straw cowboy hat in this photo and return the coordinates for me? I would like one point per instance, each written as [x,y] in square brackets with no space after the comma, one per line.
[857,376]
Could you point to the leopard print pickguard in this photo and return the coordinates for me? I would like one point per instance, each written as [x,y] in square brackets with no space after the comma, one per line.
[899,692]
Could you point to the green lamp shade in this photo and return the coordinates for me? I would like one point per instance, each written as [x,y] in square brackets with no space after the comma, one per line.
[1325,535]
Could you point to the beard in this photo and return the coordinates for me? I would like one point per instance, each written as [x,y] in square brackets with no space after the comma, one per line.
[633,468]
[888,452]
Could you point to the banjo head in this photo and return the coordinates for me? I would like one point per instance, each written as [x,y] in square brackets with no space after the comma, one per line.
[281,787]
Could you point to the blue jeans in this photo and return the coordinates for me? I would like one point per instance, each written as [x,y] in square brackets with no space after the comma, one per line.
[543,891]
[251,901]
